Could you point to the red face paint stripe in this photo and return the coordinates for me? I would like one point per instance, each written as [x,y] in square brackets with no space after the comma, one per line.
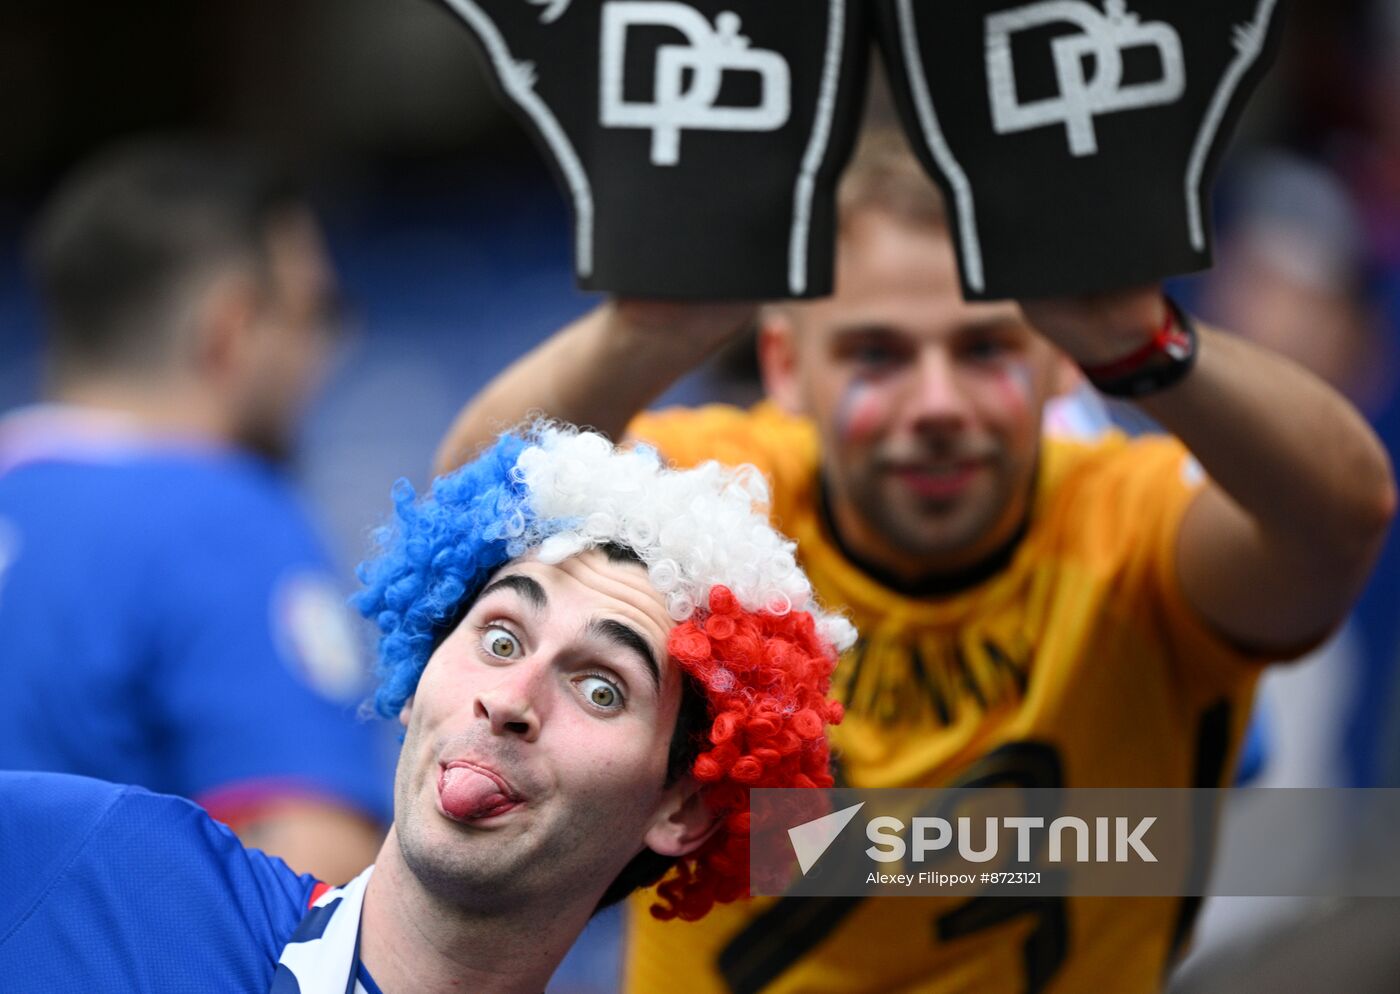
[859,412]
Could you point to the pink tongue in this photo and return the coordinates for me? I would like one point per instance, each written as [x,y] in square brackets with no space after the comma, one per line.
[468,794]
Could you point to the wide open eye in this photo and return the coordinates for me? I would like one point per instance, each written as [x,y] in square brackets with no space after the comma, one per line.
[500,643]
[601,692]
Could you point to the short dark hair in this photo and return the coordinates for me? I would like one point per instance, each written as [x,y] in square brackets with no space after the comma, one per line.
[131,231]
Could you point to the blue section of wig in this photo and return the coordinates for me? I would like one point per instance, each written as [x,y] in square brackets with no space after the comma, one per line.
[435,557]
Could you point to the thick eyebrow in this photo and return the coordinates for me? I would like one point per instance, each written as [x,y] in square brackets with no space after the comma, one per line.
[626,637]
[868,329]
[526,587]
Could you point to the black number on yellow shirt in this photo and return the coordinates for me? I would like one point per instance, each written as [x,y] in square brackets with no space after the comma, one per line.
[792,927]
[1027,765]
[1046,945]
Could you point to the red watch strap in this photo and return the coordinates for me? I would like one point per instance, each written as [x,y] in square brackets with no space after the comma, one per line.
[1169,339]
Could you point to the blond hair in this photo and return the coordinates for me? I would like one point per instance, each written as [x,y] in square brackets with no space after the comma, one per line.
[884,175]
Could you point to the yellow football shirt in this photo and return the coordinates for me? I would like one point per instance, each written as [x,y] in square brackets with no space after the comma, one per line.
[1078,664]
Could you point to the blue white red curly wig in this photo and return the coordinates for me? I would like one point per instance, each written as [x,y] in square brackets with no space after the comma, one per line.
[748,632]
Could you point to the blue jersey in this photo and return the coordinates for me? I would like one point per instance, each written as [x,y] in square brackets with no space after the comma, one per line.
[114,889]
[167,618]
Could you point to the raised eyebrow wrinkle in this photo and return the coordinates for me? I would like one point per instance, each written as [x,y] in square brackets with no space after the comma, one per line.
[627,637]
[529,589]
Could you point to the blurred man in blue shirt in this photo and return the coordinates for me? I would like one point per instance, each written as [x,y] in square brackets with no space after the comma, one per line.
[167,615]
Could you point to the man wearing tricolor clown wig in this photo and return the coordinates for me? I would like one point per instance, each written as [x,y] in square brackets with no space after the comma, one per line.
[594,658]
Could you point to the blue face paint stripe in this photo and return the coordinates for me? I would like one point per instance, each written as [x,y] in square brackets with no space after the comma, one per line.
[855,392]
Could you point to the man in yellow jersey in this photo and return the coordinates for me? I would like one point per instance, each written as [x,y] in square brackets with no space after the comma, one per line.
[1032,612]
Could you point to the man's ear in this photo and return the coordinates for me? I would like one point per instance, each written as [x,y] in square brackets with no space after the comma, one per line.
[777,358]
[406,712]
[683,820]
[225,314]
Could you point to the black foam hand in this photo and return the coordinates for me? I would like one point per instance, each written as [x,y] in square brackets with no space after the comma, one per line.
[1076,140]
[698,142]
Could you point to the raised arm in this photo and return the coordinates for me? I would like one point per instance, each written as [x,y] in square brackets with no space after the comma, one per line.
[599,371]
[1276,548]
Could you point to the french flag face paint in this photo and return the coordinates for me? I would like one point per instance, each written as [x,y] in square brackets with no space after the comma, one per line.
[1015,386]
[730,582]
[862,410]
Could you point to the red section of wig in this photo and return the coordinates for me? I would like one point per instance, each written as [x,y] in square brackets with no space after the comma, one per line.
[766,677]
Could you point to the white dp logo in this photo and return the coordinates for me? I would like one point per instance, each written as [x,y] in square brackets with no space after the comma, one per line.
[702,62]
[1105,37]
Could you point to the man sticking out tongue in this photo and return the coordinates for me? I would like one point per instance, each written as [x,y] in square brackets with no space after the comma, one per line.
[469,792]
[593,658]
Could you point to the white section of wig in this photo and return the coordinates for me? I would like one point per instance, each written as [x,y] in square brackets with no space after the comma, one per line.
[693,528]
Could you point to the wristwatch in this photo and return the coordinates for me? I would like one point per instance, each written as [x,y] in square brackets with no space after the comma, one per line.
[1163,361]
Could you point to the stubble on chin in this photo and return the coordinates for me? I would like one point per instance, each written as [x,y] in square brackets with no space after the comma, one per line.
[925,529]
[459,871]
